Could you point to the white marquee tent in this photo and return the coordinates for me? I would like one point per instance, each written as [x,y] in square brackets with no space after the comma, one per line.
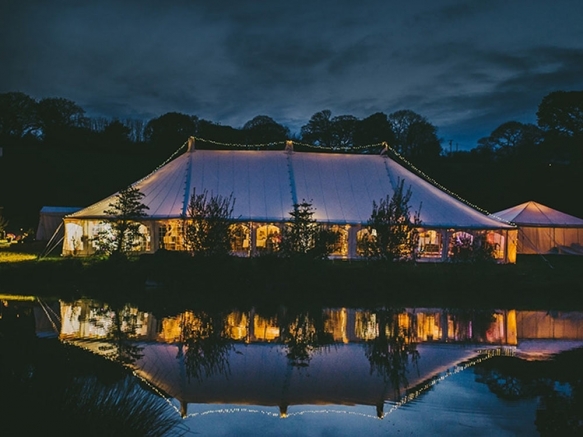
[266,185]
[544,230]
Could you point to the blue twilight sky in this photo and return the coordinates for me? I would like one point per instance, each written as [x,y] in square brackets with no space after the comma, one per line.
[467,66]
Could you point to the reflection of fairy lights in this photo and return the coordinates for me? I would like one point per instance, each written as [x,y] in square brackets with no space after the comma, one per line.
[418,391]
[232,411]
[349,413]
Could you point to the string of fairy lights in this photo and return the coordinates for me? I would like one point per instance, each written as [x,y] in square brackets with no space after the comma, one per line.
[386,148]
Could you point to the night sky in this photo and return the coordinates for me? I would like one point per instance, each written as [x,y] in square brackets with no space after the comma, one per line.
[467,66]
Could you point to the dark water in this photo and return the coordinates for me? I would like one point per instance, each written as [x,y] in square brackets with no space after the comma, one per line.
[307,371]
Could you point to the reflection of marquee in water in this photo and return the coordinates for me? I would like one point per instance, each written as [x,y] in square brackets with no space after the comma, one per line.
[257,369]
[260,373]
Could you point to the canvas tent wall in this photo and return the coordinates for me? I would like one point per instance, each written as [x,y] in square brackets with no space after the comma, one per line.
[266,185]
[544,230]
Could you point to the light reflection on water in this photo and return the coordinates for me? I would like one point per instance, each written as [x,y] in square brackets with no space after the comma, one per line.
[331,371]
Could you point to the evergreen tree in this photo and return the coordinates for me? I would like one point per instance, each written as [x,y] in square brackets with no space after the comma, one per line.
[304,236]
[124,215]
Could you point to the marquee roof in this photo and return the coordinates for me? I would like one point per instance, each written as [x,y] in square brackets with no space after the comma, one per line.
[535,214]
[266,185]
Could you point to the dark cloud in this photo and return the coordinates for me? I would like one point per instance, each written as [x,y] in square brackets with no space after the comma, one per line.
[467,66]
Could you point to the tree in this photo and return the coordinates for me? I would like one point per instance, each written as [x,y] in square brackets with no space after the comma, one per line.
[374,129]
[170,130]
[415,137]
[137,128]
[122,234]
[393,234]
[342,129]
[126,130]
[392,351]
[116,134]
[510,139]
[263,129]
[560,116]
[121,327]
[303,332]
[208,224]
[318,130]
[58,116]
[299,236]
[208,345]
[18,116]
[562,112]
[219,133]
[304,236]
[330,132]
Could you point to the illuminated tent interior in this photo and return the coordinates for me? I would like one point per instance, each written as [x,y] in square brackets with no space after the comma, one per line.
[266,185]
[544,230]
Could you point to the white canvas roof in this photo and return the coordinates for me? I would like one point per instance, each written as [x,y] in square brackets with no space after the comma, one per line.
[266,185]
[535,214]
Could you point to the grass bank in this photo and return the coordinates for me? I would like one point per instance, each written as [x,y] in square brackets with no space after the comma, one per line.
[168,279]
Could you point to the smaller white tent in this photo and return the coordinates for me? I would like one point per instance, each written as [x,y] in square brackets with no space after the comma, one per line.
[51,220]
[544,230]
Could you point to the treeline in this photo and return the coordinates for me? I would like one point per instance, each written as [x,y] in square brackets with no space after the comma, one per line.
[61,123]
[54,154]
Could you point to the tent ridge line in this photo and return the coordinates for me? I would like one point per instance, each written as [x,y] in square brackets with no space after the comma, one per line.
[292,179]
[187,183]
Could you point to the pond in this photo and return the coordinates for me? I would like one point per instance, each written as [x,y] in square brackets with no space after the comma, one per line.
[290,371]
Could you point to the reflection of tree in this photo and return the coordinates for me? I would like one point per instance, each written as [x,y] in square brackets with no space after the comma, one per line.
[557,383]
[121,326]
[207,345]
[391,351]
[512,378]
[303,332]
[471,324]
